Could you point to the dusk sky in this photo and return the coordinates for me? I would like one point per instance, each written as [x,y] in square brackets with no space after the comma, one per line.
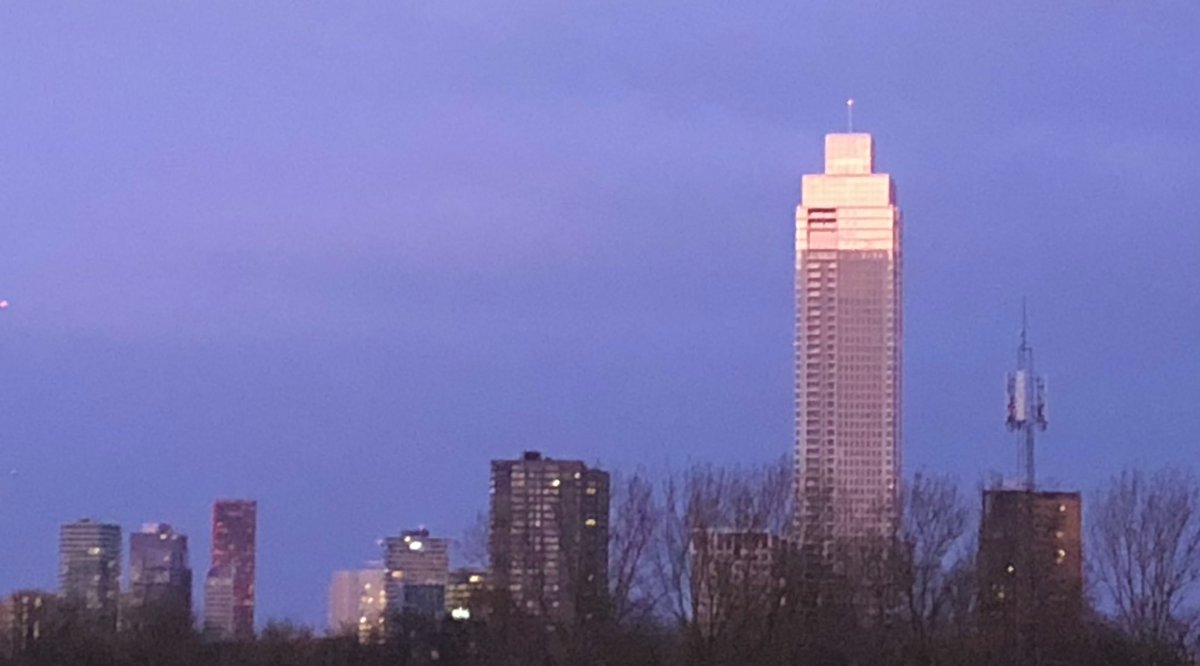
[335,257]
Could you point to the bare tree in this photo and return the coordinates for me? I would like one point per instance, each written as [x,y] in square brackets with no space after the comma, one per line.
[1146,547]
[719,547]
[932,535]
[473,546]
[632,530]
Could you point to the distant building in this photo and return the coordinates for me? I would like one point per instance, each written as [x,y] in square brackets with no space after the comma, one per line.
[848,342]
[24,619]
[418,569]
[1030,566]
[548,538]
[229,589]
[89,573]
[737,574]
[160,579]
[464,593]
[357,602]
[219,604]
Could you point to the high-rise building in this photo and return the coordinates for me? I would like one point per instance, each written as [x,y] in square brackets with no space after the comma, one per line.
[1030,566]
[229,587]
[357,602]
[1030,561]
[847,346]
[464,593]
[160,579]
[89,573]
[219,604]
[418,568]
[548,537]
[24,619]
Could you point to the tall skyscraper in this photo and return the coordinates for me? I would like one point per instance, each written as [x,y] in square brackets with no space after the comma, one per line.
[549,537]
[89,573]
[160,579]
[418,569]
[848,344]
[357,602]
[229,588]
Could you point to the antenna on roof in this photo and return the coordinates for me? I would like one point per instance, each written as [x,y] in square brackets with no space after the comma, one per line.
[1024,324]
[1026,404]
[850,115]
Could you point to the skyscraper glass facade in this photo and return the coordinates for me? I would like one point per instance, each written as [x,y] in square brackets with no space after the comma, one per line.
[848,345]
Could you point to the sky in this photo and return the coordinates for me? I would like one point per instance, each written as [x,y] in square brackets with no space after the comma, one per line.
[338,256]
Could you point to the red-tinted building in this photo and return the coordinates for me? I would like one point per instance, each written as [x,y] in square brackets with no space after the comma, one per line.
[229,590]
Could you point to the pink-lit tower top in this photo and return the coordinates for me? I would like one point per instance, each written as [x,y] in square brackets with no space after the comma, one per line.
[847,345]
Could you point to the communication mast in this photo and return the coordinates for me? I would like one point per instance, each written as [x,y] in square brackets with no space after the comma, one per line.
[1026,406]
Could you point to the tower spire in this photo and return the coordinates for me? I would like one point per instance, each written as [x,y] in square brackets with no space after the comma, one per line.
[1024,324]
[850,116]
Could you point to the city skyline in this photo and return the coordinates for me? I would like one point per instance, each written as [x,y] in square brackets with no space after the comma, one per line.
[253,252]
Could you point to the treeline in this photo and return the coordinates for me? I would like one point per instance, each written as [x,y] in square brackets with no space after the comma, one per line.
[703,571]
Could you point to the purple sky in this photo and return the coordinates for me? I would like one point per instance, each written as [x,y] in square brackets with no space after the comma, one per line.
[335,257]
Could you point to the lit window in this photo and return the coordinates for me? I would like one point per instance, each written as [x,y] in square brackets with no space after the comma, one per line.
[590,522]
[555,483]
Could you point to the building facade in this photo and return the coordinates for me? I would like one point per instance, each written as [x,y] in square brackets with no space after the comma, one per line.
[1030,567]
[357,603]
[229,591]
[418,569]
[737,577]
[465,594]
[25,617]
[548,537]
[89,574]
[160,579]
[847,346]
